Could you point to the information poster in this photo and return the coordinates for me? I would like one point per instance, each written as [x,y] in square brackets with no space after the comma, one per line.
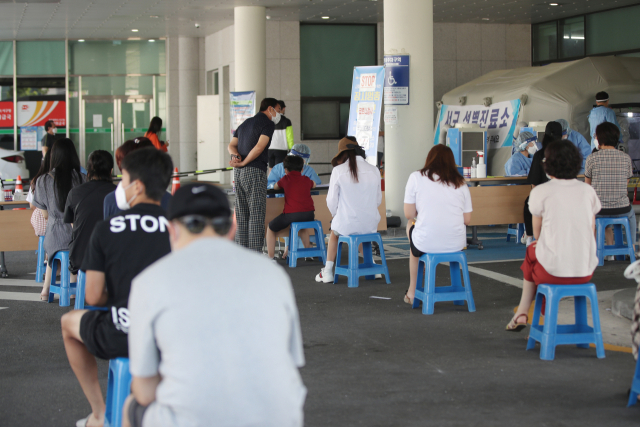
[498,119]
[243,106]
[364,111]
[29,138]
[396,83]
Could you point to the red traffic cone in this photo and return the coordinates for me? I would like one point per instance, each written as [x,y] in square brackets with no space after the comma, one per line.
[19,184]
[175,183]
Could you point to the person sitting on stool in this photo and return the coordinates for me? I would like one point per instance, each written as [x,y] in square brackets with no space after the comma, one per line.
[519,163]
[353,199]
[298,204]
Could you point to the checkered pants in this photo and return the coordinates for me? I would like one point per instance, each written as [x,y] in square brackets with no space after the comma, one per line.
[251,207]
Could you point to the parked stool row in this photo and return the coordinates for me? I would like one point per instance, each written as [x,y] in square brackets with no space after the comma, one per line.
[619,248]
[295,251]
[354,270]
[65,288]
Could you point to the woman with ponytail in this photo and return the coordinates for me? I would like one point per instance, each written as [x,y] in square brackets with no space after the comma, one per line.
[537,175]
[50,197]
[353,199]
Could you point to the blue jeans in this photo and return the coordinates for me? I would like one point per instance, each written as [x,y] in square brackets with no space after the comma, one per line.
[632,221]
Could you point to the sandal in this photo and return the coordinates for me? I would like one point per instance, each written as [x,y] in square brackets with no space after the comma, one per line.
[514,326]
[44,297]
[407,300]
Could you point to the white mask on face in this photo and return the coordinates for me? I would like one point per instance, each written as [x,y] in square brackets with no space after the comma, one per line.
[277,118]
[121,197]
[532,150]
[595,142]
[55,130]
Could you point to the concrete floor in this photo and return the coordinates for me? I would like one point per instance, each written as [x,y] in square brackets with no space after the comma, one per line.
[370,362]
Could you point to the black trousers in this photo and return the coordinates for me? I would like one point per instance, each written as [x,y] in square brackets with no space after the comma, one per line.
[528,218]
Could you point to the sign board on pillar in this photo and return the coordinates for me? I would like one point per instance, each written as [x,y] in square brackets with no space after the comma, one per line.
[396,83]
[364,111]
[243,106]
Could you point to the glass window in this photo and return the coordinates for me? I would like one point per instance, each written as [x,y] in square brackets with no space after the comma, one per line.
[117,85]
[572,42]
[40,58]
[6,59]
[320,119]
[613,30]
[215,83]
[545,42]
[328,54]
[117,57]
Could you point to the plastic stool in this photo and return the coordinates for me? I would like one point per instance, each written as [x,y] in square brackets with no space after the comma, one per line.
[65,289]
[368,268]
[296,252]
[515,230]
[41,267]
[82,278]
[618,248]
[118,388]
[551,334]
[635,386]
[429,294]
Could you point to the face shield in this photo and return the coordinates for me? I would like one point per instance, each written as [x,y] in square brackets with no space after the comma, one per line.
[301,150]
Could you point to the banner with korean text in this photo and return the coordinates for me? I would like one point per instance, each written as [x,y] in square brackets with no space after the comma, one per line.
[498,119]
[243,106]
[364,111]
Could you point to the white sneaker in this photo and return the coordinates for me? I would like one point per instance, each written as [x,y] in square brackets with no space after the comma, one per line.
[610,258]
[378,276]
[523,239]
[529,240]
[325,276]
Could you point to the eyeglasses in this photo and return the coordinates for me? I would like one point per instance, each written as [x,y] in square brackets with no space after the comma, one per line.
[196,223]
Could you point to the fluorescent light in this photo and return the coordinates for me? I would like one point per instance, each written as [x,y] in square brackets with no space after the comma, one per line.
[577,37]
[81,40]
[553,4]
[135,30]
[485,19]
[151,40]
[268,17]
[325,17]
[629,114]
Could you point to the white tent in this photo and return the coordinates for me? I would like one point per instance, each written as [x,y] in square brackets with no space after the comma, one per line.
[561,90]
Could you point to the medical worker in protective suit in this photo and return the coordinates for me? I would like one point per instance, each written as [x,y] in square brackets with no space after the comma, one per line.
[520,162]
[576,139]
[600,114]
[300,150]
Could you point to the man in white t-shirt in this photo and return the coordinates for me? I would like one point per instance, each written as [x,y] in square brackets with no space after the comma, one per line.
[212,342]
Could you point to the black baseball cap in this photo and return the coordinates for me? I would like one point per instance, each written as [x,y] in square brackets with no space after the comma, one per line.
[199,199]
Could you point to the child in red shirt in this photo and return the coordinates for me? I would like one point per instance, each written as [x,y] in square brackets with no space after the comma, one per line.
[298,204]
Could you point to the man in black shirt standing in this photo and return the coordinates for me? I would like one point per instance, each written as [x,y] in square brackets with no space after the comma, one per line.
[249,156]
[120,248]
[49,137]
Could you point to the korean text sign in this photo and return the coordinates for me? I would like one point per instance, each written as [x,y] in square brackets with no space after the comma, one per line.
[364,111]
[243,106]
[396,84]
[498,119]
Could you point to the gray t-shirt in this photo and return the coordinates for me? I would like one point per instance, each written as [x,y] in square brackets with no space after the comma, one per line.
[220,324]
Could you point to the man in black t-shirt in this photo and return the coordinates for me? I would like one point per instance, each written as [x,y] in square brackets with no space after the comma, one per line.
[249,156]
[120,248]
[49,137]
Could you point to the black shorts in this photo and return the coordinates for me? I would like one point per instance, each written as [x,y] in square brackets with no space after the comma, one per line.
[101,337]
[276,156]
[414,251]
[136,413]
[284,220]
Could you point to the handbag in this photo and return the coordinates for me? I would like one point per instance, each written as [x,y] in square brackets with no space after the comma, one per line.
[38,222]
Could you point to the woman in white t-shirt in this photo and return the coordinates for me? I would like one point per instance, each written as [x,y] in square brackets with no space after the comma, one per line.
[438,198]
[564,217]
[353,199]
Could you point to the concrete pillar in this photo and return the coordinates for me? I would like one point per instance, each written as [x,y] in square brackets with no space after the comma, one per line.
[183,55]
[250,50]
[408,29]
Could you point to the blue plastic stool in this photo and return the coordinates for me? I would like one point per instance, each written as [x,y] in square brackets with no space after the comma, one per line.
[368,268]
[41,267]
[618,248]
[82,278]
[515,230]
[429,294]
[635,386]
[65,289]
[551,334]
[118,388]
[295,251]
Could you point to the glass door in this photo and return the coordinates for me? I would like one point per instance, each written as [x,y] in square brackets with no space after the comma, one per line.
[100,117]
[135,117]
